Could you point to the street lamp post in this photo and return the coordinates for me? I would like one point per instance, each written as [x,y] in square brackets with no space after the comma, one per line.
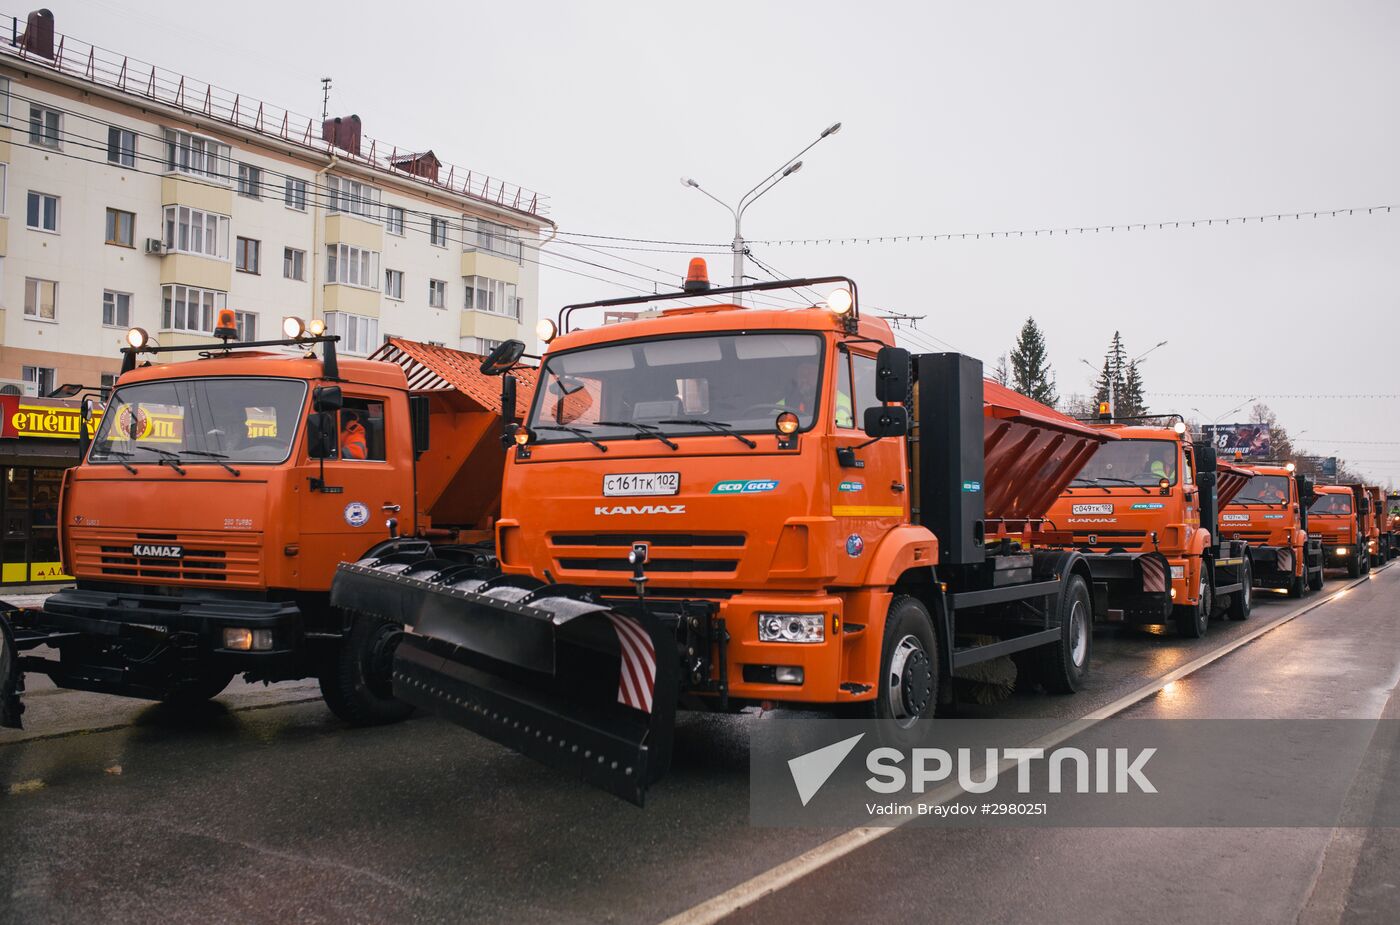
[1115,373]
[788,168]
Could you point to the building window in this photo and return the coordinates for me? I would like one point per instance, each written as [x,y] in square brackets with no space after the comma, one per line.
[247,255]
[194,231]
[42,213]
[352,266]
[250,181]
[393,220]
[186,308]
[116,309]
[195,154]
[437,232]
[352,196]
[247,324]
[121,147]
[437,293]
[40,299]
[39,379]
[480,235]
[45,126]
[358,333]
[293,263]
[479,345]
[491,295]
[295,194]
[393,284]
[121,228]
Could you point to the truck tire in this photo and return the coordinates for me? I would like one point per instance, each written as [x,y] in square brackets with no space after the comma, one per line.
[908,685]
[356,681]
[200,691]
[1065,664]
[1242,601]
[1316,580]
[1365,561]
[1297,587]
[1192,622]
[1354,564]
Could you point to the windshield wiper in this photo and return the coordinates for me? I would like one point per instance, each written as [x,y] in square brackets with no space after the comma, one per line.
[643,430]
[718,427]
[1086,479]
[576,431]
[217,457]
[166,458]
[122,457]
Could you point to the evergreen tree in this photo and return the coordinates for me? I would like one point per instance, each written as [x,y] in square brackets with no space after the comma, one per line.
[1030,365]
[1131,401]
[1114,367]
[1002,374]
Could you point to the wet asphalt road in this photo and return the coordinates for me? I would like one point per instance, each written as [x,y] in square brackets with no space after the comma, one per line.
[264,808]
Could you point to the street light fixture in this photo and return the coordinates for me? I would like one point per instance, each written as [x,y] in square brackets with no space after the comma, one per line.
[787,169]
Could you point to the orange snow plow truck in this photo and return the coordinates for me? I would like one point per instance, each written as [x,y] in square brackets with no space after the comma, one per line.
[714,507]
[1271,514]
[217,495]
[1337,517]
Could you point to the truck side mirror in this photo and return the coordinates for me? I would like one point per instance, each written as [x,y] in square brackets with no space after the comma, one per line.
[84,435]
[320,434]
[891,375]
[1364,505]
[1307,489]
[1206,460]
[419,414]
[502,358]
[886,421]
[508,388]
[327,398]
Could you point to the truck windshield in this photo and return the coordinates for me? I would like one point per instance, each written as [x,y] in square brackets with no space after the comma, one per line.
[1331,504]
[1130,462]
[1263,489]
[202,420]
[681,386]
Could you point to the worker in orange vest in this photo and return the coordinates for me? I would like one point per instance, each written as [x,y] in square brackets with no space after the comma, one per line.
[352,437]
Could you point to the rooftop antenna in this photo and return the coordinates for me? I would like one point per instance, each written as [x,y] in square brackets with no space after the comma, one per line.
[325,97]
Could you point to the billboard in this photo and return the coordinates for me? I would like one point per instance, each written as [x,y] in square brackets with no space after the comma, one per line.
[1249,441]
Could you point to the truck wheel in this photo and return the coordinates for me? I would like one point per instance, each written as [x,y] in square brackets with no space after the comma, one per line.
[1354,565]
[1192,622]
[1242,601]
[1297,587]
[1315,580]
[356,679]
[908,686]
[1064,664]
[1366,562]
[193,692]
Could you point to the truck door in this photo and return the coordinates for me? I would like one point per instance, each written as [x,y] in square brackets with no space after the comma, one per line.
[867,502]
[368,482]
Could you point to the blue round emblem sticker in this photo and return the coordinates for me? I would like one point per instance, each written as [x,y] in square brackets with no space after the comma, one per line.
[356,514]
[854,545]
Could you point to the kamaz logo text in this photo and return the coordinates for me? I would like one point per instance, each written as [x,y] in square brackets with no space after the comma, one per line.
[640,509]
[151,551]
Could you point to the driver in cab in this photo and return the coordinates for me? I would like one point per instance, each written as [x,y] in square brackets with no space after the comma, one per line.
[353,441]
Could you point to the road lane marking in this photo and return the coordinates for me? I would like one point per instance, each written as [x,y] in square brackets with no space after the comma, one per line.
[776,878]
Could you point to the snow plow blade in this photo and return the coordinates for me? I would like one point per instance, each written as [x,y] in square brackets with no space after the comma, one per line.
[545,670]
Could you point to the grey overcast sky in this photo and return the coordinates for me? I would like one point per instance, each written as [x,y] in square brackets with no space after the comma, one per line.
[957,117]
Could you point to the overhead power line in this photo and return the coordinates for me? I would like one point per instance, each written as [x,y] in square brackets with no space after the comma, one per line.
[1165,225]
[1253,395]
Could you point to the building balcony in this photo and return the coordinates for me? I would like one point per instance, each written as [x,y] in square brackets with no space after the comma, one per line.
[489,326]
[352,299]
[481,263]
[343,228]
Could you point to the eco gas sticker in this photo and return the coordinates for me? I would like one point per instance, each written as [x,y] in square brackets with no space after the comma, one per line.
[851,486]
[972,486]
[356,514]
[1273,517]
[740,487]
[1148,506]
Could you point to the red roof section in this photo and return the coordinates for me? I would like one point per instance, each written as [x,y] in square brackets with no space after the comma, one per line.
[432,368]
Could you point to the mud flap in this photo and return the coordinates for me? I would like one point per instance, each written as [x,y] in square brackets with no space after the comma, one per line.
[10,707]
[542,669]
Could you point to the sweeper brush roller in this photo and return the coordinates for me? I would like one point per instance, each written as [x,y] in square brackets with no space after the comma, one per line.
[580,685]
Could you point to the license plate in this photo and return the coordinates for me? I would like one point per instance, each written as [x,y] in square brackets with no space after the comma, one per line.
[157,551]
[1093,509]
[1234,517]
[641,484]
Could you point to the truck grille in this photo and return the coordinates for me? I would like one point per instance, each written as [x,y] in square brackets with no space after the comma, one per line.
[224,560]
[1253,536]
[1109,539]
[711,554]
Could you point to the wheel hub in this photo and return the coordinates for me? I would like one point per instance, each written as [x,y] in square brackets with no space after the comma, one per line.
[379,658]
[910,680]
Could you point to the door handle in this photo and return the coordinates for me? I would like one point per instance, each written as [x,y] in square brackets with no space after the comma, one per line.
[389,507]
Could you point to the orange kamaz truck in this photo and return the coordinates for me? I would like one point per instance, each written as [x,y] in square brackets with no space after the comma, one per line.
[1376,528]
[217,495]
[714,507]
[1333,520]
[1144,511]
[1270,513]
[1390,522]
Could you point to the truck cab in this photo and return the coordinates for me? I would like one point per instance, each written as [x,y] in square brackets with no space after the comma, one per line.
[1332,519]
[1270,513]
[1151,495]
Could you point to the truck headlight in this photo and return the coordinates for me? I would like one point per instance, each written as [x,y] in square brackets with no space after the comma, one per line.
[246,640]
[791,627]
[1340,551]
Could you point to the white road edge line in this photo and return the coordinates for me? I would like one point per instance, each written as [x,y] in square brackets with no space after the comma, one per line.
[776,878]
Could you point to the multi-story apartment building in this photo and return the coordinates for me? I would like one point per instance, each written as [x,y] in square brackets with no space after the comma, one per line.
[134,196]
